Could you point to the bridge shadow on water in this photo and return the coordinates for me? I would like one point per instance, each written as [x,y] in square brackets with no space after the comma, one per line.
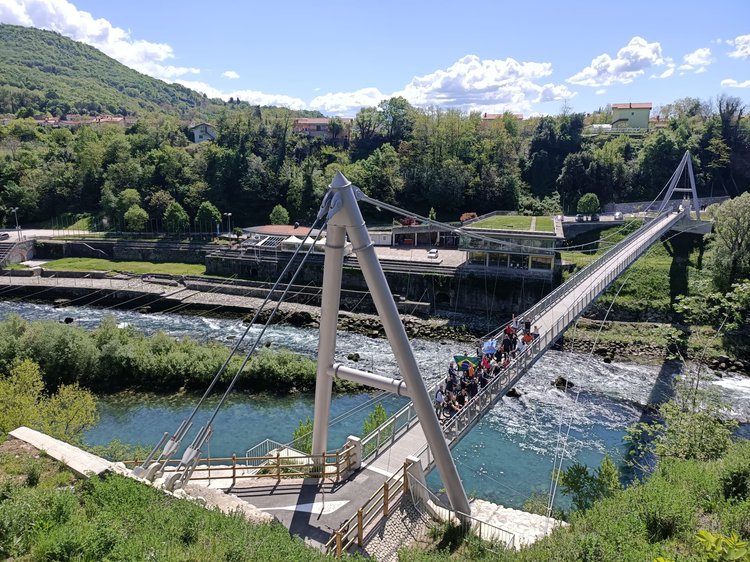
[662,391]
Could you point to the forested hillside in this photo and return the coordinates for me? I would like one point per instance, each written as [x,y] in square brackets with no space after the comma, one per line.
[44,72]
[417,158]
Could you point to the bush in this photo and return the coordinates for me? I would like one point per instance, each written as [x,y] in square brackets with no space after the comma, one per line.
[111,359]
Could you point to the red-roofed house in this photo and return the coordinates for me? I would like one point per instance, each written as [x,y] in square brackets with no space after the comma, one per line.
[631,115]
[320,127]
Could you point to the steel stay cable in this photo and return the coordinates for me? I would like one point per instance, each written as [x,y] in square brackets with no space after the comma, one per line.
[185,425]
[257,340]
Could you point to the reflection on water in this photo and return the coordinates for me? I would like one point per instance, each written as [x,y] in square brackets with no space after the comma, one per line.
[506,457]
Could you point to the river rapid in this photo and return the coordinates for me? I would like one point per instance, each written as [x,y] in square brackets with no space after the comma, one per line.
[505,458]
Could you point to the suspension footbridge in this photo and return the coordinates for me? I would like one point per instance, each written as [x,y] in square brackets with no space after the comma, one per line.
[322,496]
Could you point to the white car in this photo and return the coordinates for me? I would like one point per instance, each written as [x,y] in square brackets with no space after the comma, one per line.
[432,254]
[618,216]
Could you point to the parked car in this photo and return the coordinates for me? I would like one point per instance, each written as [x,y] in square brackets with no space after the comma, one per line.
[618,215]
[4,235]
[432,254]
[579,218]
[595,217]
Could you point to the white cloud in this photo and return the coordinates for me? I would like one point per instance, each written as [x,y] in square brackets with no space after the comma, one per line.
[601,91]
[474,84]
[231,74]
[251,96]
[346,103]
[66,19]
[630,62]
[741,46]
[731,83]
[696,61]
[699,57]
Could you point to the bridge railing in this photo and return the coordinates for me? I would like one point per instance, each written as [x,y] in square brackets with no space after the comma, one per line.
[468,416]
[379,505]
[429,505]
[281,464]
[390,430]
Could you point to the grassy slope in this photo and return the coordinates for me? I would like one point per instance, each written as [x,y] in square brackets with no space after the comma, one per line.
[646,284]
[659,517]
[115,518]
[140,267]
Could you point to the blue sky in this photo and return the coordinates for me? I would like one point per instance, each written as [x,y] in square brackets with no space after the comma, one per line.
[337,56]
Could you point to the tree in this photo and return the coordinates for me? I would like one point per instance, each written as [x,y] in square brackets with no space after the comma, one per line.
[279,215]
[691,426]
[65,414]
[207,217]
[176,218]
[588,204]
[135,219]
[731,242]
[127,199]
[397,119]
[335,127]
[302,436]
[586,487]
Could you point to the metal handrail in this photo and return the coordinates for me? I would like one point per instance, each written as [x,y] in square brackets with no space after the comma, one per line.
[466,418]
[482,529]
[380,504]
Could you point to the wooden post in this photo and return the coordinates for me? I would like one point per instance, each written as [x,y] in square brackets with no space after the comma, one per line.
[406,478]
[339,548]
[278,466]
[360,530]
[234,469]
[385,498]
[338,466]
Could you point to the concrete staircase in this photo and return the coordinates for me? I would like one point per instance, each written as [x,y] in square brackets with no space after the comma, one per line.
[5,250]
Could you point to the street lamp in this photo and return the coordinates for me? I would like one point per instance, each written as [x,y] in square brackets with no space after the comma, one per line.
[229,223]
[18,228]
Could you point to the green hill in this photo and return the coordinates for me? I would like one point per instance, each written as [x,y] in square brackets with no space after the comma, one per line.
[42,71]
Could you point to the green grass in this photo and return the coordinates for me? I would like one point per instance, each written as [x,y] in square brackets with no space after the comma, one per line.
[659,517]
[545,224]
[646,286]
[500,222]
[83,223]
[45,514]
[15,267]
[140,267]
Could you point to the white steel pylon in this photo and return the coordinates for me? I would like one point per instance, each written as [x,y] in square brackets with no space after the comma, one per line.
[674,185]
[345,218]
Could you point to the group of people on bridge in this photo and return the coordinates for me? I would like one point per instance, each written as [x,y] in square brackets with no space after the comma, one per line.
[471,374]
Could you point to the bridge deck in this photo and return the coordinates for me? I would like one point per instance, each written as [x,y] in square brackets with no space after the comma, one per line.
[313,509]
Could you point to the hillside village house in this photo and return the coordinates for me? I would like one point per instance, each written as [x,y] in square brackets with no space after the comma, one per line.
[630,115]
[320,127]
[203,132]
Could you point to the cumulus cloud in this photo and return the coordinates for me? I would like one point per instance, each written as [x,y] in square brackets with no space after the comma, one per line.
[474,84]
[731,83]
[251,96]
[601,91]
[231,74]
[698,60]
[630,62]
[66,19]
[741,46]
[345,103]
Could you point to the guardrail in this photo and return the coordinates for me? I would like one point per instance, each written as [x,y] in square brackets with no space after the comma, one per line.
[472,411]
[278,466]
[379,505]
[429,505]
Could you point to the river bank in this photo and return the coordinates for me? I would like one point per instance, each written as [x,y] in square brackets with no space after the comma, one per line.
[638,342]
